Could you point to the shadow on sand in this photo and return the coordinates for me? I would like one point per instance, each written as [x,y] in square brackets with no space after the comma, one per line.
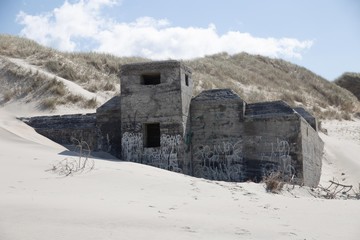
[98,155]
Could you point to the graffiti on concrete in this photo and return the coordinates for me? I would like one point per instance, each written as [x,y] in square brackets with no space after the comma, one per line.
[278,159]
[132,146]
[226,161]
[223,161]
[165,156]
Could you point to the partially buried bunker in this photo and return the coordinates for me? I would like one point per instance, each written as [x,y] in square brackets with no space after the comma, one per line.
[215,135]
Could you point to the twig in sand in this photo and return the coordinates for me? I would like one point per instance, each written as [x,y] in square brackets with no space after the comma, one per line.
[70,166]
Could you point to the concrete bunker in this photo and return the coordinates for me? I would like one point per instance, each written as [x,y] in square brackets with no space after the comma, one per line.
[215,135]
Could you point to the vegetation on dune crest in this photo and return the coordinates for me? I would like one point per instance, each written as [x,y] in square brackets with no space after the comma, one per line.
[255,78]
[351,82]
[18,47]
[93,71]
[258,78]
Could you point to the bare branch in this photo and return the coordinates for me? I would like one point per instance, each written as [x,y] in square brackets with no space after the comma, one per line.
[70,166]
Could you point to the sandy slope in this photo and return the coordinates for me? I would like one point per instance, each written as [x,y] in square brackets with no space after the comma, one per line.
[27,108]
[30,106]
[120,200]
[342,152]
[71,86]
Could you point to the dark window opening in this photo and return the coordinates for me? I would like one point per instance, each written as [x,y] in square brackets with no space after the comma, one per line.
[152,135]
[150,79]
[186,80]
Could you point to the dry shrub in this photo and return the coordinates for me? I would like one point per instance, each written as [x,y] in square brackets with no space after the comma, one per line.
[48,103]
[36,83]
[92,88]
[74,98]
[288,98]
[58,89]
[62,70]
[336,190]
[321,128]
[299,98]
[71,166]
[91,103]
[273,182]
[255,96]
[316,109]
[8,96]
[109,86]
[69,73]
[53,87]
[346,116]
[53,66]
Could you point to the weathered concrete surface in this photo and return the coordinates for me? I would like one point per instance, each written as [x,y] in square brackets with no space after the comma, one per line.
[272,132]
[165,103]
[108,121]
[310,119]
[62,128]
[217,135]
[272,110]
[312,150]
[235,141]
[272,146]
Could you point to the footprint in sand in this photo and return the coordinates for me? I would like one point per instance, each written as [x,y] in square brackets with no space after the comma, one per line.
[242,231]
[188,229]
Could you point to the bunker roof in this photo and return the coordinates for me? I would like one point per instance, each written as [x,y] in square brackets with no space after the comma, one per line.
[268,109]
[305,114]
[157,65]
[217,94]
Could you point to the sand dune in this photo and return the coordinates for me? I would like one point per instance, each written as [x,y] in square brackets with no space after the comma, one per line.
[71,86]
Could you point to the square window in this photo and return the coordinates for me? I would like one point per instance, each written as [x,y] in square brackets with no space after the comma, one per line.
[150,79]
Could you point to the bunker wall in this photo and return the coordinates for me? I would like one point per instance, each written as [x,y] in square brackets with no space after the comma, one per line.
[217,139]
[108,121]
[312,151]
[273,145]
[62,128]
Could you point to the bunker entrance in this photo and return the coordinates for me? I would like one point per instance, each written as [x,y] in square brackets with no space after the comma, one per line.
[152,135]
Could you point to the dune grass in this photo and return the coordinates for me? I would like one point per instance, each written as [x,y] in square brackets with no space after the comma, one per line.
[255,78]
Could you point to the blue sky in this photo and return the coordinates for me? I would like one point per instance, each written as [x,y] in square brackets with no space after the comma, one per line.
[321,35]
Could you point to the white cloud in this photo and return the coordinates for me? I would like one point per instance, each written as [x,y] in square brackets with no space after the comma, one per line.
[66,27]
[62,27]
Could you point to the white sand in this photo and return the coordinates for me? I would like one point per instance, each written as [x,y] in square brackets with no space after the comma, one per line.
[121,200]
[342,152]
